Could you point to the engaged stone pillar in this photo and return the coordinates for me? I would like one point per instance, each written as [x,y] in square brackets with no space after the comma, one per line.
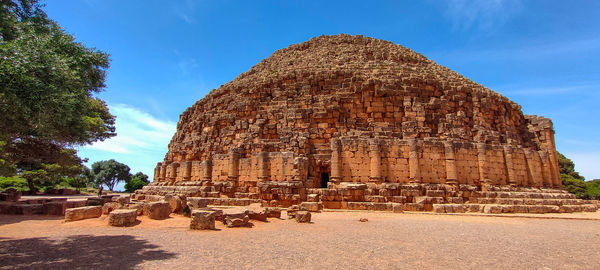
[530,168]
[554,170]
[375,164]
[481,158]
[206,170]
[300,172]
[451,174]
[510,167]
[163,173]
[234,165]
[336,163]
[546,176]
[157,172]
[172,172]
[186,169]
[413,162]
[263,162]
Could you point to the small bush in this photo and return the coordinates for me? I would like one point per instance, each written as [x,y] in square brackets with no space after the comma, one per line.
[15,182]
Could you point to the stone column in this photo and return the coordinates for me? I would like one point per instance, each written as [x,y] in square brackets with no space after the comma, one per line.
[206,170]
[546,176]
[375,161]
[482,162]
[300,172]
[262,164]
[234,166]
[336,163]
[186,169]
[510,167]
[413,161]
[451,173]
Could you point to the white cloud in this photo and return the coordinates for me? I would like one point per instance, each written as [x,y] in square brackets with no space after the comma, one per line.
[142,140]
[482,14]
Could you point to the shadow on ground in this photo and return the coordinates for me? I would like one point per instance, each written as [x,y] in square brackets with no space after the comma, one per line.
[11,219]
[78,252]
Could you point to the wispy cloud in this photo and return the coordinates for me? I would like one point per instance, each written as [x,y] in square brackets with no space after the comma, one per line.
[185,10]
[479,14]
[579,88]
[136,131]
[142,140]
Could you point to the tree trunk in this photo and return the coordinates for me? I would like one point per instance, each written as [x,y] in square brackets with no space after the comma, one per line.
[32,188]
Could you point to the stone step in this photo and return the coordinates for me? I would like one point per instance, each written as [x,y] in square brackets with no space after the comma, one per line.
[531,195]
[499,208]
[517,201]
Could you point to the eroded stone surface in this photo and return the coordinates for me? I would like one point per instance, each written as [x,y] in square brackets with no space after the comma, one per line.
[79,213]
[122,217]
[358,123]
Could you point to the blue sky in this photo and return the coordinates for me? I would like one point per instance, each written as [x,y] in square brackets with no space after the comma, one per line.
[544,55]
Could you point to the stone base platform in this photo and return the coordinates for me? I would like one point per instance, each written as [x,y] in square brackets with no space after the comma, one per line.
[397,197]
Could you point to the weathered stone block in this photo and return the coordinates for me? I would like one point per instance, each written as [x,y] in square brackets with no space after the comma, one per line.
[202,220]
[303,216]
[311,206]
[122,217]
[79,213]
[159,210]
[55,208]
[109,207]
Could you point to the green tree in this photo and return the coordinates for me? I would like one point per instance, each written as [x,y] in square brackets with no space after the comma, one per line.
[48,83]
[110,173]
[137,181]
[83,179]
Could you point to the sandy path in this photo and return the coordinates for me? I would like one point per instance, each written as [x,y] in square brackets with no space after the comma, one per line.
[335,240]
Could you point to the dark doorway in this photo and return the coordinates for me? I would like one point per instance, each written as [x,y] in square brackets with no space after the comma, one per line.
[324,179]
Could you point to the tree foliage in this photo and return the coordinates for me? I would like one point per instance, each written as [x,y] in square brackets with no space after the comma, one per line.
[110,173]
[48,83]
[137,181]
[49,80]
[575,183]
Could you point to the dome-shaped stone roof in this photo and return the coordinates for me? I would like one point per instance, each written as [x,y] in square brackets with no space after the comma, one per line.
[331,86]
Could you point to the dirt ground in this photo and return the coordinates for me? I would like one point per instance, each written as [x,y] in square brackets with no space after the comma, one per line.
[335,240]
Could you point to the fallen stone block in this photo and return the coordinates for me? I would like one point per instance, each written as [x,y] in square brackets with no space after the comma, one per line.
[121,199]
[139,207]
[109,207]
[196,202]
[202,220]
[303,216]
[122,217]
[80,213]
[257,212]
[176,203]
[273,212]
[291,211]
[311,206]
[159,210]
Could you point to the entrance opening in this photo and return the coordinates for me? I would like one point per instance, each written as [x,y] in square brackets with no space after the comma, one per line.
[324,179]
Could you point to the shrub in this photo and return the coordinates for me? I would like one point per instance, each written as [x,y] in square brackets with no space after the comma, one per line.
[15,182]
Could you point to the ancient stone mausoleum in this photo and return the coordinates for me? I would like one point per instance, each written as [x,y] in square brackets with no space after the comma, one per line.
[359,123]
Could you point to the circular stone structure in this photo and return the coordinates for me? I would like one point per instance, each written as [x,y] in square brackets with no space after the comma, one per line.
[353,119]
